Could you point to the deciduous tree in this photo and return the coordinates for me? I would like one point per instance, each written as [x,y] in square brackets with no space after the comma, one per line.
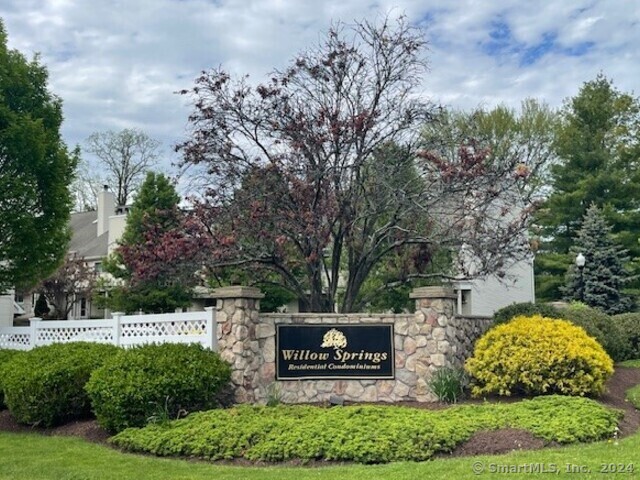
[35,172]
[126,157]
[318,174]
[523,137]
[74,280]
[87,184]
[160,252]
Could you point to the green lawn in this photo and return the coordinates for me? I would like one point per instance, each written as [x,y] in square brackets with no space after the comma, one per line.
[630,363]
[34,457]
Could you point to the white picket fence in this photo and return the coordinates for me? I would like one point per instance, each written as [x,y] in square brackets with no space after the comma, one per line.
[121,330]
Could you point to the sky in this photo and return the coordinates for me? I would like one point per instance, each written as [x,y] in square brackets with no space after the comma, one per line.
[118,63]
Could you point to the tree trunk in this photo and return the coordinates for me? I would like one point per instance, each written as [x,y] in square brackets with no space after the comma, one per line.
[357,276]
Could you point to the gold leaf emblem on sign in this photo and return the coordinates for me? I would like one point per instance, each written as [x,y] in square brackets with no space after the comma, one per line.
[334,338]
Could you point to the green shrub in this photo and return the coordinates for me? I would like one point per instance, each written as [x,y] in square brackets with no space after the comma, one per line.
[365,434]
[152,382]
[45,386]
[448,384]
[5,358]
[629,326]
[526,309]
[600,326]
[41,308]
[595,322]
[538,355]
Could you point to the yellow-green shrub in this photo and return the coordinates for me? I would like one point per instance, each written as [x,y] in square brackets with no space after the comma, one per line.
[538,355]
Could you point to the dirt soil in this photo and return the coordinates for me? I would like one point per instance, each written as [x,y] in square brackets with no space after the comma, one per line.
[481,443]
[509,439]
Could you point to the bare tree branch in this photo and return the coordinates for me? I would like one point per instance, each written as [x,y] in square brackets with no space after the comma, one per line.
[126,157]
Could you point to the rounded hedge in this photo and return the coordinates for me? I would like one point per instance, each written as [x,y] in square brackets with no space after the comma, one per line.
[5,358]
[45,386]
[156,382]
[538,355]
[526,309]
[629,326]
[601,326]
[595,322]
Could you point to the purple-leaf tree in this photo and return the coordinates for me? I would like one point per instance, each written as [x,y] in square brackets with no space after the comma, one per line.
[73,281]
[318,175]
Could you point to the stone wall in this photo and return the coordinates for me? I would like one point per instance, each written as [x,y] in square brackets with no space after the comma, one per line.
[424,342]
[239,335]
[467,330]
[408,349]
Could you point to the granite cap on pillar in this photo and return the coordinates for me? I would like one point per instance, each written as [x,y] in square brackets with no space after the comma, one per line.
[432,292]
[237,291]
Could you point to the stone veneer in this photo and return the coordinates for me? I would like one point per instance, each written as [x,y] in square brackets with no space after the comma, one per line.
[424,342]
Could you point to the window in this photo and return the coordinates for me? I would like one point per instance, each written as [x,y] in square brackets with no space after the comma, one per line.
[19,298]
[83,307]
[97,267]
[463,306]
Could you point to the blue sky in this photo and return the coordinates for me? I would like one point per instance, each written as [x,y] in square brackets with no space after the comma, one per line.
[117,63]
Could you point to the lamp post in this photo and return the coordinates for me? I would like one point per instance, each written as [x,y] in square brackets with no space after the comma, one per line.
[580,261]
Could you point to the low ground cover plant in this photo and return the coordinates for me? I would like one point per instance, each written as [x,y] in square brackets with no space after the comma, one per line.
[538,355]
[45,386]
[5,357]
[156,383]
[365,434]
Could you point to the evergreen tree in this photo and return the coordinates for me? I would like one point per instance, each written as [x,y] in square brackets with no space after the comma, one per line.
[599,283]
[598,146]
[154,204]
[41,308]
[155,262]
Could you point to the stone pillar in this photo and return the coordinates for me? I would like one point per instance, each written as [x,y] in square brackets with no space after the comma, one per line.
[435,307]
[237,312]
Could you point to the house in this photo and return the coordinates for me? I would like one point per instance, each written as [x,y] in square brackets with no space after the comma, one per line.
[10,307]
[94,235]
[482,297]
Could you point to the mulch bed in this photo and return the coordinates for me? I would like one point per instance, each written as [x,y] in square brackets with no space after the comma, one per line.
[509,439]
[481,443]
[87,429]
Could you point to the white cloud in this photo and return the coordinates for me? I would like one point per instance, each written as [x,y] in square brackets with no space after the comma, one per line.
[117,63]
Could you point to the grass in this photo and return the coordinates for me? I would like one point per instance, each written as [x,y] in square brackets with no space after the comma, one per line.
[630,363]
[35,457]
[633,395]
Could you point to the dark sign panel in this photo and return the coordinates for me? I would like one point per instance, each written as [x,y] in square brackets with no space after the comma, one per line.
[334,351]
